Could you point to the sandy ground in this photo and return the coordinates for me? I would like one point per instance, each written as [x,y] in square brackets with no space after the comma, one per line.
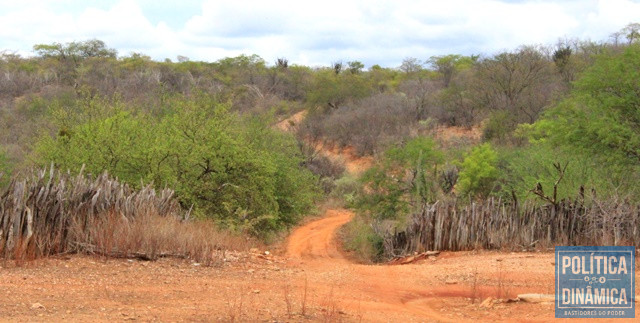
[307,278]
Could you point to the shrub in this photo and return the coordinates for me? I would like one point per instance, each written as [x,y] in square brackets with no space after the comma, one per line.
[369,126]
[346,189]
[498,127]
[405,175]
[323,167]
[360,238]
[479,172]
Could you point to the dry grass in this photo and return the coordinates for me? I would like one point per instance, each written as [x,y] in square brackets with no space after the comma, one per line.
[150,236]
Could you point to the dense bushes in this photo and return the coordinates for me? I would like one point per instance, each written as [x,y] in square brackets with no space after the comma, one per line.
[601,115]
[239,172]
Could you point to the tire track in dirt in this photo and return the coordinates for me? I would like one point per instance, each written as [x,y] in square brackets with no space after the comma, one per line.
[317,247]
[317,240]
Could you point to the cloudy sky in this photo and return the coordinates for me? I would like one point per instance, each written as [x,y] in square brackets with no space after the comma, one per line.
[311,33]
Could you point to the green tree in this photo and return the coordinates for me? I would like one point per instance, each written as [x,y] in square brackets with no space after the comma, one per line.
[355,67]
[518,82]
[602,114]
[449,65]
[75,50]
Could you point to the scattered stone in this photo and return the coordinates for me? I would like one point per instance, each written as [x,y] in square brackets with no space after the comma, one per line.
[257,291]
[487,303]
[37,306]
[267,253]
[451,282]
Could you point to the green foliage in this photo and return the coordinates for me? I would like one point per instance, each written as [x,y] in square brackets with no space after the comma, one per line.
[295,191]
[75,50]
[499,127]
[405,174]
[331,90]
[449,65]
[525,167]
[361,239]
[355,67]
[240,173]
[601,116]
[479,172]
[5,168]
[346,188]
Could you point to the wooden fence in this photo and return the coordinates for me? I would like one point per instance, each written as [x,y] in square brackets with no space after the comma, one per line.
[492,224]
[51,212]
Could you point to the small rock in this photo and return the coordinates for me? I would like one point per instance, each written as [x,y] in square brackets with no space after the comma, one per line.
[451,282]
[250,271]
[267,253]
[487,303]
[254,250]
[257,291]
[37,306]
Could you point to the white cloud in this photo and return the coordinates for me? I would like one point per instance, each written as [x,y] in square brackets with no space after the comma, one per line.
[381,32]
